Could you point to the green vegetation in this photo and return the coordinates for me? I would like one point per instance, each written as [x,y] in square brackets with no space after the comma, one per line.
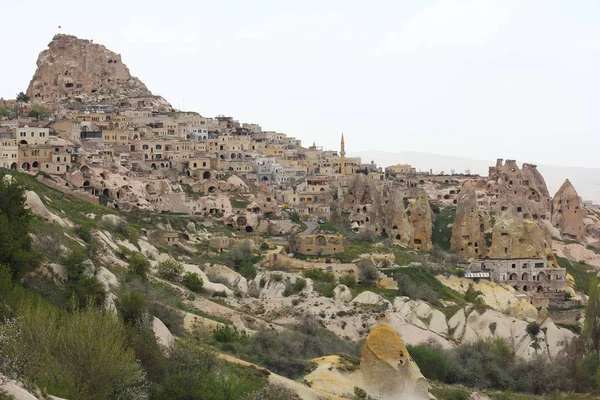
[441,232]
[15,223]
[327,226]
[288,352]
[367,271]
[22,97]
[193,282]
[581,272]
[294,288]
[492,365]
[591,328]
[422,277]
[170,270]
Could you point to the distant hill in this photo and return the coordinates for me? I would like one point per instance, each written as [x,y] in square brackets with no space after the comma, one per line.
[585,180]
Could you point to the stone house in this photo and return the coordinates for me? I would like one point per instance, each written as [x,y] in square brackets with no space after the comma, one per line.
[320,244]
[523,274]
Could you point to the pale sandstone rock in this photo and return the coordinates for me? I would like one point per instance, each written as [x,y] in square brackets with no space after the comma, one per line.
[162,333]
[421,314]
[517,235]
[108,279]
[234,280]
[568,212]
[369,298]
[34,203]
[342,293]
[388,370]
[468,227]
[89,269]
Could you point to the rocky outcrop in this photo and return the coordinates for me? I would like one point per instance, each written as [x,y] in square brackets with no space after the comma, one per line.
[507,182]
[162,333]
[388,370]
[380,210]
[517,235]
[421,217]
[73,68]
[567,212]
[34,203]
[397,225]
[469,227]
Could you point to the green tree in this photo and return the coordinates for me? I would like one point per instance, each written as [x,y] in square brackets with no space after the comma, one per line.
[22,97]
[15,222]
[193,282]
[591,327]
[4,112]
[39,112]
[139,265]
[170,270]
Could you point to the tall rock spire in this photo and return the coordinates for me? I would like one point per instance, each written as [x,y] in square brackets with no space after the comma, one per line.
[342,157]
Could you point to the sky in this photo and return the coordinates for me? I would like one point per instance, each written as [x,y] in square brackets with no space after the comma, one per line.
[484,79]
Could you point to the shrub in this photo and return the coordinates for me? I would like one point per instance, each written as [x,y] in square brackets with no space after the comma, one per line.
[288,352]
[228,334]
[4,395]
[348,280]
[418,292]
[533,329]
[367,271]
[170,270]
[239,254]
[264,246]
[247,270]
[319,275]
[274,392]
[139,265]
[132,306]
[325,288]
[294,288]
[193,282]
[431,361]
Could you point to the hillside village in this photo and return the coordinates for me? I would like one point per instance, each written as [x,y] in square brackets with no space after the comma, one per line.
[277,230]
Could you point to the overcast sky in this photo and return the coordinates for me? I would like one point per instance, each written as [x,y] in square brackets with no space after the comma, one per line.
[483,78]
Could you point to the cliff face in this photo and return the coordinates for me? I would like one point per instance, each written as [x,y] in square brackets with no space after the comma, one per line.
[516,235]
[80,70]
[567,212]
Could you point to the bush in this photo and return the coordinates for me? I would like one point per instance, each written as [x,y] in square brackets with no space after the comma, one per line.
[367,271]
[228,334]
[348,280]
[288,352]
[193,282]
[239,254]
[294,288]
[417,292]
[139,265]
[131,306]
[193,373]
[247,270]
[325,289]
[170,270]
[4,395]
[533,329]
[431,361]
[274,392]
[319,275]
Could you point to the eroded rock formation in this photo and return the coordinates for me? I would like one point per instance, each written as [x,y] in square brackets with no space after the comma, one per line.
[517,235]
[380,210]
[388,370]
[73,68]
[567,212]
[469,226]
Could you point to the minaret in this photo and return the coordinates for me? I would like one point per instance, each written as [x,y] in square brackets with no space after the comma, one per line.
[343,157]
